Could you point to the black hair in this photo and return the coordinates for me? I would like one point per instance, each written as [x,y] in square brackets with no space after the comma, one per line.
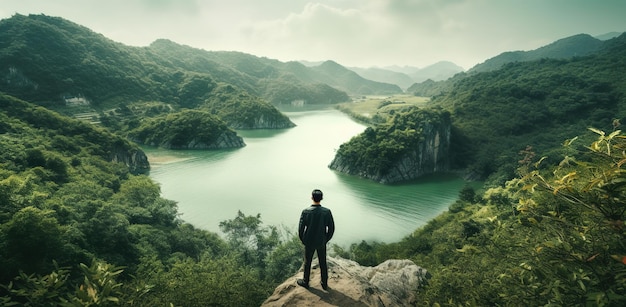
[317,195]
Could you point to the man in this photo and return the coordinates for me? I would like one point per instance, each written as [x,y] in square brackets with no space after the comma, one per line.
[315,229]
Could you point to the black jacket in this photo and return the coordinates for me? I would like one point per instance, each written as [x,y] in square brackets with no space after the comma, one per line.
[316,226]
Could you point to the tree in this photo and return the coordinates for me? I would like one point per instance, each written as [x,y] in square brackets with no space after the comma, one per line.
[34,238]
[245,234]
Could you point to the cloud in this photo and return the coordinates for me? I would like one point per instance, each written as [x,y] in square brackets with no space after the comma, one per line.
[370,34]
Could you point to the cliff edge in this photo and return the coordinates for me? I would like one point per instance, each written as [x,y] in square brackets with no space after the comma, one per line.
[391,283]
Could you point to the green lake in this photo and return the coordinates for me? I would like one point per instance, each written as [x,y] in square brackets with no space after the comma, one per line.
[276,172]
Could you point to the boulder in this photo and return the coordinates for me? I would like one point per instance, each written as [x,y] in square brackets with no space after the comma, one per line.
[391,283]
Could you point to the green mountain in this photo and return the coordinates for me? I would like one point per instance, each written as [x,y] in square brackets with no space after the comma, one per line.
[538,103]
[498,113]
[566,48]
[277,82]
[351,82]
[55,62]
[384,75]
[577,45]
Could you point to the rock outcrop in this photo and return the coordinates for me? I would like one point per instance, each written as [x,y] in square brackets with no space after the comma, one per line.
[391,283]
[262,121]
[428,153]
[228,139]
[133,157]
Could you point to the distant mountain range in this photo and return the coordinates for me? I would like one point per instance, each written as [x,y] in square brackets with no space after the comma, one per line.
[573,46]
[407,75]
[579,45]
[403,76]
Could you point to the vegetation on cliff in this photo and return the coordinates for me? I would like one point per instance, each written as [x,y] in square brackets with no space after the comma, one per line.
[187,129]
[539,103]
[377,151]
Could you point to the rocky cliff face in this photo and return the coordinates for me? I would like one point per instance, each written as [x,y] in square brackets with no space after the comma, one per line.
[228,139]
[263,121]
[134,158]
[391,283]
[431,155]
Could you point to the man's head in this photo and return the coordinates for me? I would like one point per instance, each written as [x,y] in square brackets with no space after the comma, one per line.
[317,195]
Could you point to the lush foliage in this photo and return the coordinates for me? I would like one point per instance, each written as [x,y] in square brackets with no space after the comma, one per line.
[240,110]
[551,236]
[541,103]
[377,149]
[77,229]
[179,130]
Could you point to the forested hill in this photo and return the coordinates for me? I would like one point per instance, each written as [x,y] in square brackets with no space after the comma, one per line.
[48,59]
[539,103]
[577,45]
[565,48]
[254,73]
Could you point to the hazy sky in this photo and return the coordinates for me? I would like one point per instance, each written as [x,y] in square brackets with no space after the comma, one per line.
[363,33]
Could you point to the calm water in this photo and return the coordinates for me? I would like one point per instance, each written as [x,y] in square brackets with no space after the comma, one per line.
[275,173]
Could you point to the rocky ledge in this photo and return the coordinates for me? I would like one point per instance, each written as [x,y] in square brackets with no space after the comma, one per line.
[391,283]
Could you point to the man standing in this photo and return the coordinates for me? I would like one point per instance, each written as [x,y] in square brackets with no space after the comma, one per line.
[316,228]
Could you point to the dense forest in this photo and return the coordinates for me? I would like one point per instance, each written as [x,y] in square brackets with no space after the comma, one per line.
[80,225]
[77,229]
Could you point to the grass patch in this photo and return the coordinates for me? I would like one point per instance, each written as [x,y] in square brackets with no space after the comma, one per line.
[376,109]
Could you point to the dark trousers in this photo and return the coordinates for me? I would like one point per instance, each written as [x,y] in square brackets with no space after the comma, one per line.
[321,256]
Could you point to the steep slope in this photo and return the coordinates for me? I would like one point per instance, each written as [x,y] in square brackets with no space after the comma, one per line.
[410,145]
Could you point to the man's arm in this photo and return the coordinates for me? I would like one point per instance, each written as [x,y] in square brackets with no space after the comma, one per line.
[330,227]
[301,228]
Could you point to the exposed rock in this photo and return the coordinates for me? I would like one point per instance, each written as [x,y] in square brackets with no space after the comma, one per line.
[430,155]
[263,121]
[391,283]
[133,157]
[228,139]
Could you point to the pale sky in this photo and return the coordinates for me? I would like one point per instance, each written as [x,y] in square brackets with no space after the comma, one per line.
[354,33]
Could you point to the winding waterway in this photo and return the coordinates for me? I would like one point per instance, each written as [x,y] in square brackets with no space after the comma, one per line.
[275,173]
